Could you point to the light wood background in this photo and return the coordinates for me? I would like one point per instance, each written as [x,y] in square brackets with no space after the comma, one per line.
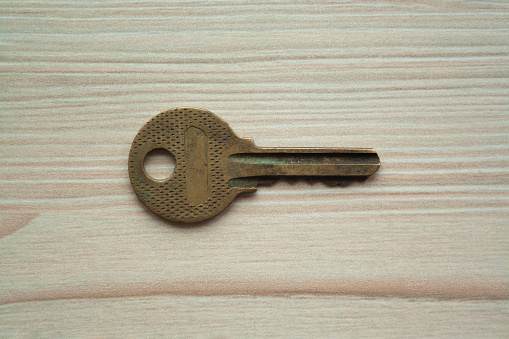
[420,249]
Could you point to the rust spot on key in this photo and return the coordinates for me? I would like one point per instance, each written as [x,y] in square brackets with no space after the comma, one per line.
[214,165]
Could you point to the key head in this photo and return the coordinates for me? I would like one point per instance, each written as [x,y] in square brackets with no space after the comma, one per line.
[198,188]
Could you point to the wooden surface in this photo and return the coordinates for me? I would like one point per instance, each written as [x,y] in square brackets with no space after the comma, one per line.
[420,249]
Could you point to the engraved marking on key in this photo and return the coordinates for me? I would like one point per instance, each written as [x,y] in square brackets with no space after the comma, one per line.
[214,165]
[197,174]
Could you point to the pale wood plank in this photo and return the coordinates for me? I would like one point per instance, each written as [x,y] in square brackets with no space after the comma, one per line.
[424,83]
[270,316]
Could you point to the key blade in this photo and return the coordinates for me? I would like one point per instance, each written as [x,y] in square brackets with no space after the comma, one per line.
[320,162]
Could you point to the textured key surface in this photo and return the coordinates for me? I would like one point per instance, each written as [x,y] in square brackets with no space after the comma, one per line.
[172,130]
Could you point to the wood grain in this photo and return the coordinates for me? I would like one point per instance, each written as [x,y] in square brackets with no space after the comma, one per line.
[242,316]
[419,249]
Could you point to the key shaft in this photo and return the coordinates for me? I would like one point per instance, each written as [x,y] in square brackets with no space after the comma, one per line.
[328,162]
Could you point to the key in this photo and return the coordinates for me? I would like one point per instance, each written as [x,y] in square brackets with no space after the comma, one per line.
[214,165]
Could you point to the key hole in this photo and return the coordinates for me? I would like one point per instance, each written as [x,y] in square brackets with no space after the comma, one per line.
[159,164]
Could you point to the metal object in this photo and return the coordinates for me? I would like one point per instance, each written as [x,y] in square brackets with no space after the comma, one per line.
[214,165]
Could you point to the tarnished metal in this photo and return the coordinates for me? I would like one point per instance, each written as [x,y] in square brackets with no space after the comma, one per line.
[214,165]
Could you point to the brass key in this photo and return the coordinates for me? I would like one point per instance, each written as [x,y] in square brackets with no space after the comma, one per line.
[214,165]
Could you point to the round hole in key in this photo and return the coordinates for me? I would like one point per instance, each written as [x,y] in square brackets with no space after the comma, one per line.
[159,164]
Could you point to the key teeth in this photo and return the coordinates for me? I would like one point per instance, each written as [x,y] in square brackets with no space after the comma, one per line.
[341,181]
[250,184]
[331,182]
